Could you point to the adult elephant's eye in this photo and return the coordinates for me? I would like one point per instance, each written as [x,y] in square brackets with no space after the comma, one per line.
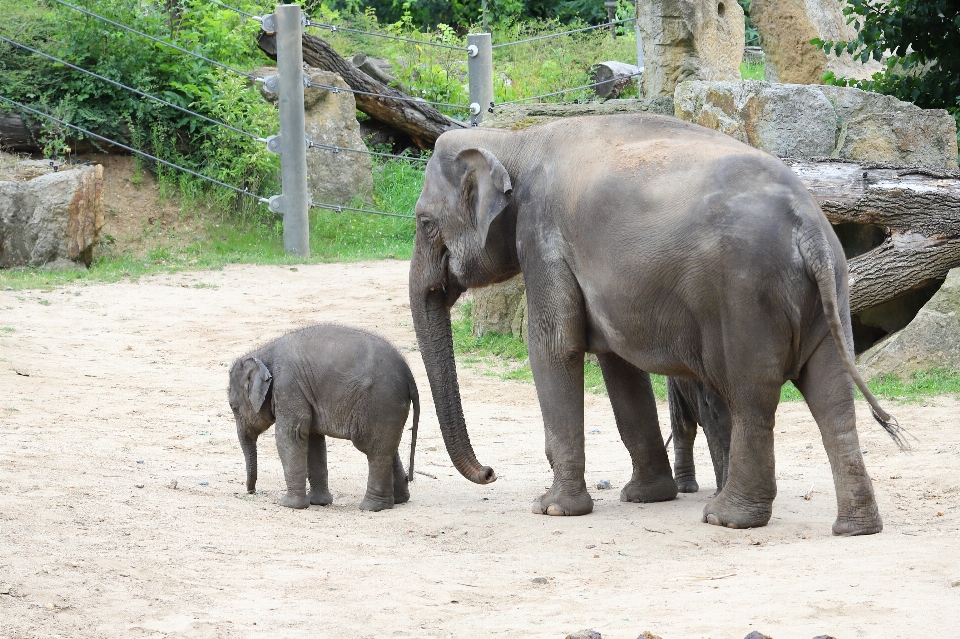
[429,227]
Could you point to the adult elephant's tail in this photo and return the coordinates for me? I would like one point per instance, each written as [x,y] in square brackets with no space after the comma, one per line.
[819,259]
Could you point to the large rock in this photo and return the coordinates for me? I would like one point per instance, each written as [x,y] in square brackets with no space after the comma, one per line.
[803,121]
[786,28]
[333,177]
[521,116]
[47,217]
[500,308]
[331,118]
[689,40]
[931,340]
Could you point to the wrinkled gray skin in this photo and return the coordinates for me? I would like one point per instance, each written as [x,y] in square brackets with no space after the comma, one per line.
[661,246]
[691,403]
[327,380]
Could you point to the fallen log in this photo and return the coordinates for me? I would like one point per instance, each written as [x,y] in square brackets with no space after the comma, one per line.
[612,77]
[24,137]
[911,213]
[419,120]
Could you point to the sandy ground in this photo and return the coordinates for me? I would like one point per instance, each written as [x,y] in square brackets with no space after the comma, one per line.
[112,392]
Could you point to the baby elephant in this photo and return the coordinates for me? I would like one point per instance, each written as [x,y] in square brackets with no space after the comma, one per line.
[692,403]
[327,380]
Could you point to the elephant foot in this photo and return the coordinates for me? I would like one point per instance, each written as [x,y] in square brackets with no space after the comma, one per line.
[661,489]
[722,510]
[401,494]
[295,499]
[374,504]
[321,497]
[867,522]
[687,484]
[556,503]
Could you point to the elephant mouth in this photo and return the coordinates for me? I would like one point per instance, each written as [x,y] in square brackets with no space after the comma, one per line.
[450,284]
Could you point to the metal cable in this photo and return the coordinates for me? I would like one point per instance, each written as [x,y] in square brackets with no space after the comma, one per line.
[562,33]
[386,97]
[341,209]
[243,13]
[138,92]
[333,27]
[158,40]
[547,95]
[132,150]
[338,149]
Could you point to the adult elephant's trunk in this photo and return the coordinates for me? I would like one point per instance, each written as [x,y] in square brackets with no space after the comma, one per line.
[429,299]
[249,447]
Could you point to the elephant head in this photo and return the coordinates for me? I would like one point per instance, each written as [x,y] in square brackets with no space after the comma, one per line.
[250,383]
[465,239]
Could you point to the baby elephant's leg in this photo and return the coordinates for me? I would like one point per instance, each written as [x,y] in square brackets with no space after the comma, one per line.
[292,444]
[401,492]
[379,483]
[317,471]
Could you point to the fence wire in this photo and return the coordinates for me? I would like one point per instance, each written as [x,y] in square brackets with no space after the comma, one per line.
[137,91]
[386,97]
[338,149]
[562,33]
[341,209]
[333,27]
[234,9]
[547,95]
[158,40]
[138,152]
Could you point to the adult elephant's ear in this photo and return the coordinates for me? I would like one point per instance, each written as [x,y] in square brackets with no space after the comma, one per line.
[486,188]
[258,382]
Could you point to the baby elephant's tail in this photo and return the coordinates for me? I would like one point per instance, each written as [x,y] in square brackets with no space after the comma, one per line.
[415,398]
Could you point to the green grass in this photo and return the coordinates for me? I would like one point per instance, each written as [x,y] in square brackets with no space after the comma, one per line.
[752,71]
[255,237]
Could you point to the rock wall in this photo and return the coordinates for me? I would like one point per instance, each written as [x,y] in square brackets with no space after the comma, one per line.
[689,40]
[50,218]
[802,121]
[786,28]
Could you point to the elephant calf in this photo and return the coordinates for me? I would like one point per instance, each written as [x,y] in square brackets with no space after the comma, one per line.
[692,403]
[327,380]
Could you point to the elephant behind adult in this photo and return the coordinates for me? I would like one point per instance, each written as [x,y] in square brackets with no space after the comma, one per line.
[661,246]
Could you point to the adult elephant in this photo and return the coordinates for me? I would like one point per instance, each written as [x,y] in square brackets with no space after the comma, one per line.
[661,246]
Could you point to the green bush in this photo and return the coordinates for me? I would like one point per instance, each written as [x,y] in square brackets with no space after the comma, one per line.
[153,68]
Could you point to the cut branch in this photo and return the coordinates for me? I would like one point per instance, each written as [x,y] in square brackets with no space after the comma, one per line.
[419,120]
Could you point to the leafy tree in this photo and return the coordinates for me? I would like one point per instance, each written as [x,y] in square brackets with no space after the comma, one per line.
[923,38]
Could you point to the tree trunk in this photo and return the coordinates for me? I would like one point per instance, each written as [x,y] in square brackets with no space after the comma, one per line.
[614,76]
[19,136]
[419,120]
[899,224]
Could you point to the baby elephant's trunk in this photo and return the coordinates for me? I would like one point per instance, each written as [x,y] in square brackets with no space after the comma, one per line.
[249,446]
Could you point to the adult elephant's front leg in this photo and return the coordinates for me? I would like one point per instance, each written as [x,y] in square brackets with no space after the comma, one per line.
[635,410]
[556,358]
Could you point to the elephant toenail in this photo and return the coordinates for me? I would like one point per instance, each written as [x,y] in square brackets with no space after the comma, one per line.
[713,519]
[555,510]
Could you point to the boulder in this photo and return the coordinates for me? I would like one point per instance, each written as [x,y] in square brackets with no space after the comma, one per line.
[931,340]
[331,118]
[333,177]
[49,216]
[500,308]
[521,116]
[786,28]
[804,121]
[689,40]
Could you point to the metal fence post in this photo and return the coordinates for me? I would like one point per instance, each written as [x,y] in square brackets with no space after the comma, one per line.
[295,200]
[480,71]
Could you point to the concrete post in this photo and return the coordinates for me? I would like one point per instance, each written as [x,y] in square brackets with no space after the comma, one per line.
[295,201]
[480,71]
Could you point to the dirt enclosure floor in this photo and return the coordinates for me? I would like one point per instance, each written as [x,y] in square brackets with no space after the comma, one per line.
[123,512]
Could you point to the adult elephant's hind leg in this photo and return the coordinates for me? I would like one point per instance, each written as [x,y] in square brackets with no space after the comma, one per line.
[746,500]
[828,390]
[635,411]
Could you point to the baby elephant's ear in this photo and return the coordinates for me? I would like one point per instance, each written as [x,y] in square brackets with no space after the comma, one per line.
[258,382]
